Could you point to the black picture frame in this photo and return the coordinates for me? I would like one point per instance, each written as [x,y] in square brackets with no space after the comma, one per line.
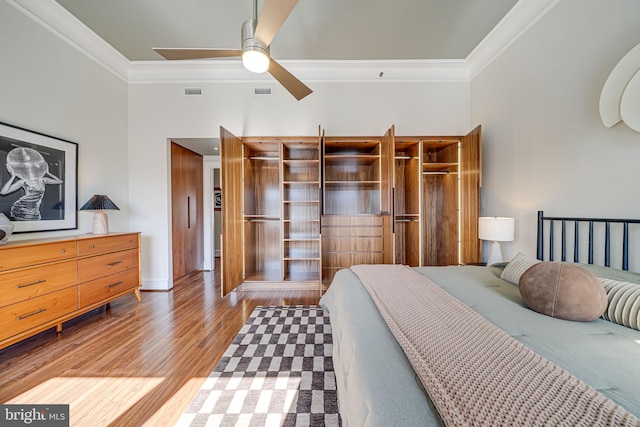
[38,180]
[217,199]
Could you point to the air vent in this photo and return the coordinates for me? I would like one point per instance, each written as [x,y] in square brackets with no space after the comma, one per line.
[193,91]
[262,91]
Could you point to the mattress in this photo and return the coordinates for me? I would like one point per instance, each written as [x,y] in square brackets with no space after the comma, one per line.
[378,387]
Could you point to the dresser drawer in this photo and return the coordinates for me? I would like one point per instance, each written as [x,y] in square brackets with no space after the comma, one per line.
[352,221]
[33,282]
[20,317]
[106,287]
[347,259]
[352,244]
[24,256]
[97,245]
[107,264]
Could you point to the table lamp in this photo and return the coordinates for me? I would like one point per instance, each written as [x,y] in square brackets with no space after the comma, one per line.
[100,203]
[496,229]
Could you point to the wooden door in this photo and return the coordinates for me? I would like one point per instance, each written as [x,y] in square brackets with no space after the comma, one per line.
[232,224]
[470,184]
[187,213]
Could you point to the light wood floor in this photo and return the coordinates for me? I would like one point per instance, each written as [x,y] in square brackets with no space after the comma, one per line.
[133,365]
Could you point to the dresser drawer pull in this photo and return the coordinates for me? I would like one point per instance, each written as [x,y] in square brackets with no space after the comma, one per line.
[32,314]
[63,251]
[111,264]
[114,285]
[31,284]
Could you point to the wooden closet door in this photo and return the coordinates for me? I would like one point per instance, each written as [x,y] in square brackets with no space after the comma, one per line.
[187,214]
[470,184]
[232,223]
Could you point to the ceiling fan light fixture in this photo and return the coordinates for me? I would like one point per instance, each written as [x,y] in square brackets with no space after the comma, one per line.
[255,60]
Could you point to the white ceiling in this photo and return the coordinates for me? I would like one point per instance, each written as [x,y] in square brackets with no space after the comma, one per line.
[413,40]
[315,30]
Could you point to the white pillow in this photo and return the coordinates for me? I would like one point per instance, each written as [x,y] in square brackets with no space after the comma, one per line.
[517,266]
[624,303]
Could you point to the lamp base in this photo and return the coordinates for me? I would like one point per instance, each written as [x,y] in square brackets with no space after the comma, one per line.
[100,223]
[495,255]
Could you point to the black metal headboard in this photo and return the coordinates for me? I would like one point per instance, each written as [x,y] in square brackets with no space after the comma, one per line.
[601,224]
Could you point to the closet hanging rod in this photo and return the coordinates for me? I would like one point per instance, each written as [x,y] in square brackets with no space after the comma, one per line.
[437,173]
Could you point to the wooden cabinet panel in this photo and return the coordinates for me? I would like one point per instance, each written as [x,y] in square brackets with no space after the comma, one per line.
[107,287]
[25,315]
[470,184]
[104,265]
[232,220]
[14,256]
[30,283]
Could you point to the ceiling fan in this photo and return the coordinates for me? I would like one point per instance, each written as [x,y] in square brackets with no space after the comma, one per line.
[257,35]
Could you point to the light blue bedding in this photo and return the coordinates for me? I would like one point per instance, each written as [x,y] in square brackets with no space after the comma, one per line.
[378,387]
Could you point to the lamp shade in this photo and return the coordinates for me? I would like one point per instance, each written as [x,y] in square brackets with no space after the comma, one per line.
[99,202]
[497,229]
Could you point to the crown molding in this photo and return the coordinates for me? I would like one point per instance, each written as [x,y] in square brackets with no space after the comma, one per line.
[516,22]
[56,19]
[232,71]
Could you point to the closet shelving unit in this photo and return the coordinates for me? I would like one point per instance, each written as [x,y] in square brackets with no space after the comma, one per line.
[353,185]
[298,209]
[301,211]
[407,198]
[440,201]
[262,211]
[351,176]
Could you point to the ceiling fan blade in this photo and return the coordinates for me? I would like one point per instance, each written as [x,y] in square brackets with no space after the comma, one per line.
[272,16]
[195,53]
[298,89]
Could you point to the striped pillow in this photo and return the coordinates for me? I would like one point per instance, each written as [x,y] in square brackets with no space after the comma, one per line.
[624,303]
[517,266]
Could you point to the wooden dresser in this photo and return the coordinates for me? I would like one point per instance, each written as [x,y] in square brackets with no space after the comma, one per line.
[45,282]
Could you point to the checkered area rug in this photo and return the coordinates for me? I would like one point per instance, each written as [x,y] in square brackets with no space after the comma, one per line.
[278,371]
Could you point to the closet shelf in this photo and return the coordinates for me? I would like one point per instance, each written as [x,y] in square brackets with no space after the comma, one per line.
[352,182]
[316,183]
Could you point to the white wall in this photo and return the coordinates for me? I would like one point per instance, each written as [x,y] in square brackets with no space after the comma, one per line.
[49,87]
[161,111]
[545,146]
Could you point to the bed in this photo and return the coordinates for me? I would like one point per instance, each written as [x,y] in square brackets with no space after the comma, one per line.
[378,385]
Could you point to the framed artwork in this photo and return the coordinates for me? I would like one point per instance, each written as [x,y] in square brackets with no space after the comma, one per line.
[217,199]
[38,180]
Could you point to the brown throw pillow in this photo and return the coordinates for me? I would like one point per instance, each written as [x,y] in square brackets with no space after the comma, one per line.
[563,290]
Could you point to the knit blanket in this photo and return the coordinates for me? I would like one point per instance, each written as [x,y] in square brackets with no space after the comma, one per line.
[476,374]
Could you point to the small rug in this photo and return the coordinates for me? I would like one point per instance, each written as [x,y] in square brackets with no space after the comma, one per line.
[278,371]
